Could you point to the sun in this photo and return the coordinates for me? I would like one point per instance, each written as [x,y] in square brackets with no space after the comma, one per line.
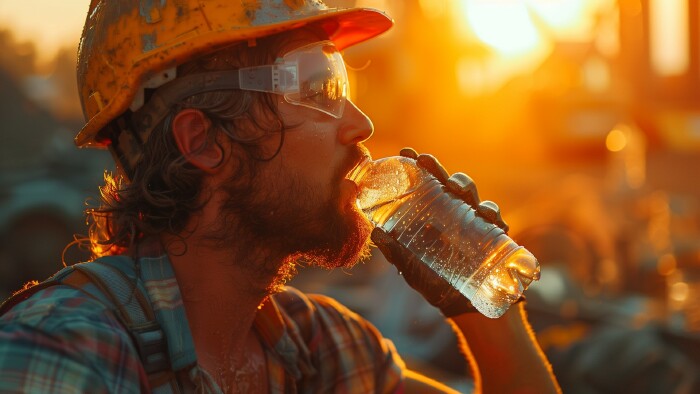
[515,27]
[504,25]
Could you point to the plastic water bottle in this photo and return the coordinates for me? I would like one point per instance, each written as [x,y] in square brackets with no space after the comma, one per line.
[474,256]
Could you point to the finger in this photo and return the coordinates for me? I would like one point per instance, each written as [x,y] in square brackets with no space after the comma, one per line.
[492,213]
[430,163]
[380,237]
[489,211]
[405,262]
[388,246]
[409,152]
[437,291]
[464,187]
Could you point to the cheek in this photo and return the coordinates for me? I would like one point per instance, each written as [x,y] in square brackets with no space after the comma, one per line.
[311,142]
[309,154]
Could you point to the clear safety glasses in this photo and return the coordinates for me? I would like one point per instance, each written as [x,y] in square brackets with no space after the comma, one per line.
[312,76]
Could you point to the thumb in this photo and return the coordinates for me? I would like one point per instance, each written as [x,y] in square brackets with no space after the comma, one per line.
[387,245]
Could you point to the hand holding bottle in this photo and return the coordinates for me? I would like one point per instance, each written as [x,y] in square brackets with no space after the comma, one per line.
[436,290]
[444,240]
[459,184]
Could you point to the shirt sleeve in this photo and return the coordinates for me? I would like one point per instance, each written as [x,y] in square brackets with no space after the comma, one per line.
[61,341]
[348,352]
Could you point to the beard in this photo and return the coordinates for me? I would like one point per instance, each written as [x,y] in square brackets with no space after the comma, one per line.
[287,222]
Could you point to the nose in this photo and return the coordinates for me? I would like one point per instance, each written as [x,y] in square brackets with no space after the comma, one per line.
[355,127]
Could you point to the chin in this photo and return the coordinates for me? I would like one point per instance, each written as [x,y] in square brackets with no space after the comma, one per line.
[349,243]
[356,247]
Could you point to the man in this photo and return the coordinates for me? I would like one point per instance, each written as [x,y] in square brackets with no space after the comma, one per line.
[233,134]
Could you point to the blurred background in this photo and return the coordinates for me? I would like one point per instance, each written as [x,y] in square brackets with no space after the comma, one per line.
[581,118]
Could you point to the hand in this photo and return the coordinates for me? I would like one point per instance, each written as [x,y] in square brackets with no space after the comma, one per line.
[436,290]
[459,184]
[430,285]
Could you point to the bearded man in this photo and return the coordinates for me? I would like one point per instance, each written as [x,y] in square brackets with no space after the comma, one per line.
[233,135]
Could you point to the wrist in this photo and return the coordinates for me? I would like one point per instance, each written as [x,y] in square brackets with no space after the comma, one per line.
[461,307]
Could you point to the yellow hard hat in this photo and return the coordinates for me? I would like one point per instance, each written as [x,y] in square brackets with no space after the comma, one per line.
[126,42]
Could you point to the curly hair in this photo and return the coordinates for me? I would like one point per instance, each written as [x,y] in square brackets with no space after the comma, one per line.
[165,189]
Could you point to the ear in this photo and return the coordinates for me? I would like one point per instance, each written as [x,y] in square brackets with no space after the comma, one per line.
[191,130]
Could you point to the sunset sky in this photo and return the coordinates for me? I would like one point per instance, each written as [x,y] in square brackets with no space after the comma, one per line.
[52,23]
[49,23]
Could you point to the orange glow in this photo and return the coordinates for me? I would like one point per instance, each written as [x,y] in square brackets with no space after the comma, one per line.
[521,26]
[49,24]
[669,36]
[564,16]
[506,26]
[521,34]
[666,264]
[679,292]
[433,9]
[616,140]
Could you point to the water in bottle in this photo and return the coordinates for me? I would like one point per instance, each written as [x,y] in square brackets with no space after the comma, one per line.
[474,256]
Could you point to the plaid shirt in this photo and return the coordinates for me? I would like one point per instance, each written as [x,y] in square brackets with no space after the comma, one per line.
[60,340]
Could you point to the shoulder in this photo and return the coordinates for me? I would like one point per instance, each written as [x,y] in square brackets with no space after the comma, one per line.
[341,343]
[53,305]
[314,312]
[303,305]
[60,339]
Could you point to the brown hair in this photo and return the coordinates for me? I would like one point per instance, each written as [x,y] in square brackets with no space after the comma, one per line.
[165,189]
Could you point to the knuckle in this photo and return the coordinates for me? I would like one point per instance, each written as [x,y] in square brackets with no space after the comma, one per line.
[492,205]
[489,214]
[462,181]
[378,236]
[464,187]
[409,152]
[430,163]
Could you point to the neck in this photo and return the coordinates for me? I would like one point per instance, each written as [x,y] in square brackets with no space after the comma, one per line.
[222,289]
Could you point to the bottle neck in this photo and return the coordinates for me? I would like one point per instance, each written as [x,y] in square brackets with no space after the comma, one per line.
[360,170]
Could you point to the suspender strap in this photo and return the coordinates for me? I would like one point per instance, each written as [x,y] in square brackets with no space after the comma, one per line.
[134,310]
[126,294]
[112,281]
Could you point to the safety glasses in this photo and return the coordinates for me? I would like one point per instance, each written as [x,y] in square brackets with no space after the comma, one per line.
[312,76]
